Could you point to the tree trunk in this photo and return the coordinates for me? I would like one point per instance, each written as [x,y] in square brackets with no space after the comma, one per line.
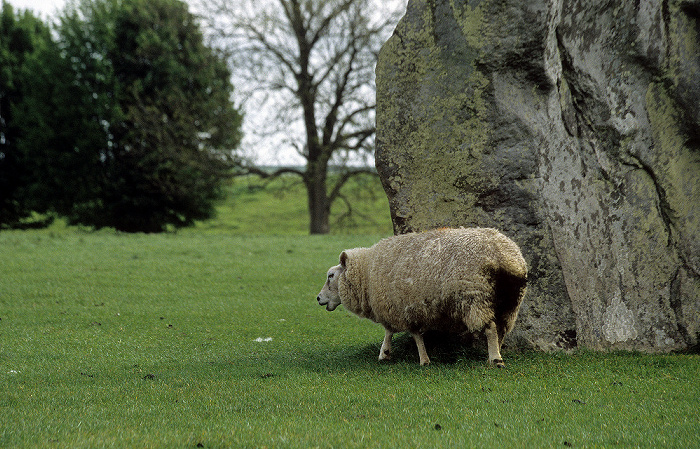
[319,206]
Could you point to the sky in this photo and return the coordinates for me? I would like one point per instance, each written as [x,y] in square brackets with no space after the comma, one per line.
[44,8]
[48,8]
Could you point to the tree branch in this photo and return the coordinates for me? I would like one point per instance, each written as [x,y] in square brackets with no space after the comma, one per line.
[315,61]
[345,177]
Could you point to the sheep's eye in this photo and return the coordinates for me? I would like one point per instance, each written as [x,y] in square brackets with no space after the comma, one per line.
[330,276]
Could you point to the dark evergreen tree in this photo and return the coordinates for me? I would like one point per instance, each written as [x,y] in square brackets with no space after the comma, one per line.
[146,127]
[24,41]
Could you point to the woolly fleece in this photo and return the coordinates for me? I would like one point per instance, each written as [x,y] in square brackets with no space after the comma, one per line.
[448,279]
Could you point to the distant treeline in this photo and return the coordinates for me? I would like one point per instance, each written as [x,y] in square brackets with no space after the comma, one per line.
[332,169]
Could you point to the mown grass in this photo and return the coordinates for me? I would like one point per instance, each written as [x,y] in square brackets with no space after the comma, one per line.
[211,337]
[215,340]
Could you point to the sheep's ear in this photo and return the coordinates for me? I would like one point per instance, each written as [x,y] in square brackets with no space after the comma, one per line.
[343,259]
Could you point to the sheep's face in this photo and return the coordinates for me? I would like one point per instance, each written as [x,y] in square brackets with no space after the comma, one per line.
[329,295]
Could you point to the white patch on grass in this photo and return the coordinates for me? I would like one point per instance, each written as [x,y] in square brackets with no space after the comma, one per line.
[261,339]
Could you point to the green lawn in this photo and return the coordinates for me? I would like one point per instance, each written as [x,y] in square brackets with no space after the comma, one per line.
[204,339]
[211,337]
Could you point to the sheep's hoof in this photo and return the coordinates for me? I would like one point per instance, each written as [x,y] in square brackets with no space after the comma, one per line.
[385,357]
[498,363]
[425,362]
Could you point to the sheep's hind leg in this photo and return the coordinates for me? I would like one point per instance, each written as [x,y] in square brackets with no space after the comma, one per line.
[494,343]
[385,351]
[422,353]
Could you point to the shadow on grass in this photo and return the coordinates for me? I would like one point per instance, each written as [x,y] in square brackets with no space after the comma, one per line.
[443,349]
[322,358]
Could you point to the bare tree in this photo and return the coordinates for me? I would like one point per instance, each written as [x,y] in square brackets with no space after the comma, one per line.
[310,63]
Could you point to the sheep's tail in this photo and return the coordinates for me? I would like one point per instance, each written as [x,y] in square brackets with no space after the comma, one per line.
[510,286]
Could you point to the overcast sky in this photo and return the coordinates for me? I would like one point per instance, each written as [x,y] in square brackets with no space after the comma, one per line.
[47,8]
[43,7]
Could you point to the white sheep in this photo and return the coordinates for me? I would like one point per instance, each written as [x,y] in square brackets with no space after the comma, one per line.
[467,279]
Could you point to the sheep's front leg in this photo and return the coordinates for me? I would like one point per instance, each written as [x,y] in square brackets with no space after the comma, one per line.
[385,351]
[494,343]
[424,359]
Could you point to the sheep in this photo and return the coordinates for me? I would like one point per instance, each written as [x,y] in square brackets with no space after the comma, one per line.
[466,279]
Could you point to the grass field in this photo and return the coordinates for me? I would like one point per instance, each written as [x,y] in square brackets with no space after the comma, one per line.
[209,338]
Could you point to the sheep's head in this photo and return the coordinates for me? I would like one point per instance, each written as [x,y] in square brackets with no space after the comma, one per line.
[329,295]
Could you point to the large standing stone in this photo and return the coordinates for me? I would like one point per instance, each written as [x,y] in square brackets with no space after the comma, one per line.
[574,127]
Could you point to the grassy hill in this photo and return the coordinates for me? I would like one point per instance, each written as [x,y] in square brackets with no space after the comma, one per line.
[256,206]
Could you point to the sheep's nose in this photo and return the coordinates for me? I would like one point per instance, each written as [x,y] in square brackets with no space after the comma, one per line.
[318,298]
